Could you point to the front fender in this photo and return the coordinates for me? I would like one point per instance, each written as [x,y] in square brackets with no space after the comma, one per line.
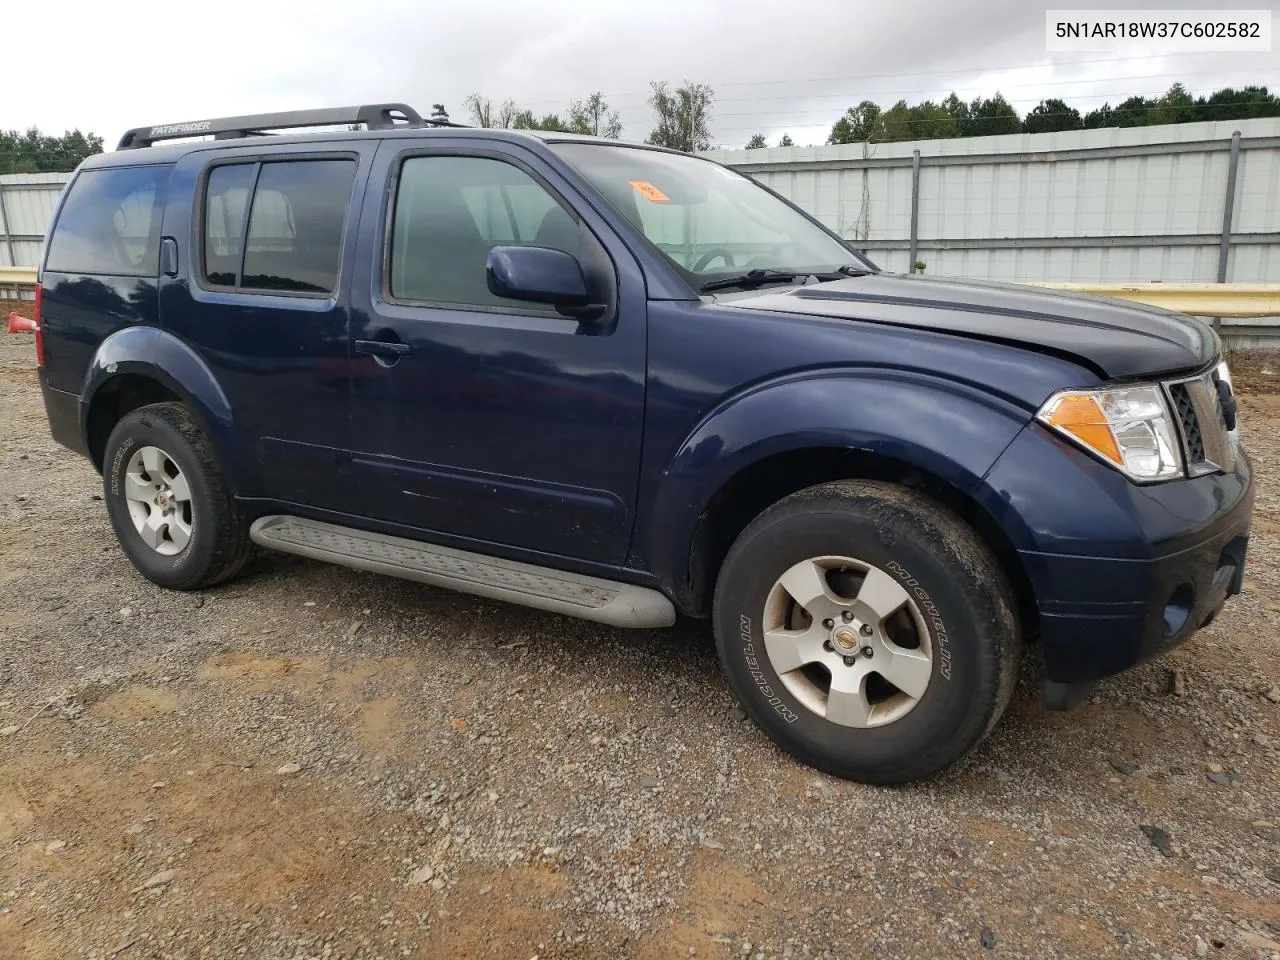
[950,430]
[151,352]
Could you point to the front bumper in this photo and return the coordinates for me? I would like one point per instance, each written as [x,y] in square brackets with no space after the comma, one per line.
[1120,572]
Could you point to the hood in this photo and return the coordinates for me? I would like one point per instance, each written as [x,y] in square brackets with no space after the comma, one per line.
[1116,338]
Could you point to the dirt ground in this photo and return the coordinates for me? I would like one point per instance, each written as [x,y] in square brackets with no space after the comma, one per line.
[312,762]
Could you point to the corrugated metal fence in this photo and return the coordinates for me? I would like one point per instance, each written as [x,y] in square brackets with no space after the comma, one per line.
[26,207]
[1090,206]
[1114,205]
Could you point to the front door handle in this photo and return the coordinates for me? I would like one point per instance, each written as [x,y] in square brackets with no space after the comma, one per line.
[391,349]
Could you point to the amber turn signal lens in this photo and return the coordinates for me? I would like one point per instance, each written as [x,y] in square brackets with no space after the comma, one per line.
[1081,416]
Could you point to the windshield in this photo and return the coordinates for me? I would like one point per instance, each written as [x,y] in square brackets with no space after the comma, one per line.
[710,222]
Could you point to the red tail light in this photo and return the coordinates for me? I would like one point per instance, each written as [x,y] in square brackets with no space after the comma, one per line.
[39,327]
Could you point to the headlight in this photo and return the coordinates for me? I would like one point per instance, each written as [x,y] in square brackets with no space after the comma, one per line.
[1129,427]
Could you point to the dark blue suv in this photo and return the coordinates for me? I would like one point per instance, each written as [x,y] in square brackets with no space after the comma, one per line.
[619,382]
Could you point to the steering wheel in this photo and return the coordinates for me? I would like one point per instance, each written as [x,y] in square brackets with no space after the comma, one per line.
[710,255]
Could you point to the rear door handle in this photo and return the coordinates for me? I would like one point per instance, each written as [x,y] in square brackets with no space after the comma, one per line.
[169,256]
[382,348]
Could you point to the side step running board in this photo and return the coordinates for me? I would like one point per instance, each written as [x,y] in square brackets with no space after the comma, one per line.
[604,601]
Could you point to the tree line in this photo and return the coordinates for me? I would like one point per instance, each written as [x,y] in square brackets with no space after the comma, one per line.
[35,152]
[683,115]
[988,116]
[589,116]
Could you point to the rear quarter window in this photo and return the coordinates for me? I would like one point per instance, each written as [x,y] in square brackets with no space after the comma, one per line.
[110,223]
[291,239]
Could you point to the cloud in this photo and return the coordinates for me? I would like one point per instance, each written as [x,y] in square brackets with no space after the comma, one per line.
[774,66]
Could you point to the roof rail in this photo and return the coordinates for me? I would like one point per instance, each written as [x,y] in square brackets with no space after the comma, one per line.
[375,116]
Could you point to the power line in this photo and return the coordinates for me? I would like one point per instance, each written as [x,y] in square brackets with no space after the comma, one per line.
[766,118]
[828,111]
[1117,113]
[1000,67]
[919,73]
[867,94]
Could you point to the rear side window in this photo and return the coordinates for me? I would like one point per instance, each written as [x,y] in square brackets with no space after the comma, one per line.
[110,223]
[278,226]
[226,200]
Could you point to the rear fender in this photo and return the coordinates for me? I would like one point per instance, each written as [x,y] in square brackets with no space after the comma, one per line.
[150,352]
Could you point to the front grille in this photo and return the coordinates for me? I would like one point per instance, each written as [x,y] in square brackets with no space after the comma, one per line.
[1187,422]
[1197,409]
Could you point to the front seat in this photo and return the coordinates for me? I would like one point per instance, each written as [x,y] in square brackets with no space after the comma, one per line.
[444,254]
[559,231]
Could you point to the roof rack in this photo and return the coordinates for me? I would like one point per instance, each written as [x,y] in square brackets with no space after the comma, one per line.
[375,116]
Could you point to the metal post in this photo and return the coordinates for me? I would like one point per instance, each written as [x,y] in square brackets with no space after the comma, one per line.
[915,209]
[1224,246]
[4,228]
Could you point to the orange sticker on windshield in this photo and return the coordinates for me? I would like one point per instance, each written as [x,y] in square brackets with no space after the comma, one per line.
[649,191]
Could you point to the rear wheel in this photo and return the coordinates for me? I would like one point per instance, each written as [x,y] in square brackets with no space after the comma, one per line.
[867,630]
[167,501]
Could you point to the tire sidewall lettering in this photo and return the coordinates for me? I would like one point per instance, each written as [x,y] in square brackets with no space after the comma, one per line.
[931,613]
[758,676]
[117,464]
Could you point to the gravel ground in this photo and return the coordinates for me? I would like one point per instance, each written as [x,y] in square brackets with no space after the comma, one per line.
[312,762]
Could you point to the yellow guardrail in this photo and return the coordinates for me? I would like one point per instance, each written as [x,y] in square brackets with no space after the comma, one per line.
[1197,299]
[17,276]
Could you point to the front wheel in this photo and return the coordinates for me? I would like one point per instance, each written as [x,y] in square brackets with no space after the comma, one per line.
[867,630]
[169,505]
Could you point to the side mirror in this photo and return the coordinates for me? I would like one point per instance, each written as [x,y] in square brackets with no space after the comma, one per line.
[540,274]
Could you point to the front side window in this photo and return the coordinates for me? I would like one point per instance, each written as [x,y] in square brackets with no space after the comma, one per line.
[287,236]
[706,219]
[110,223]
[450,211]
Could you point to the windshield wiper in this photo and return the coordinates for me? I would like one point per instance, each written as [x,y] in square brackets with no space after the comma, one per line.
[752,279]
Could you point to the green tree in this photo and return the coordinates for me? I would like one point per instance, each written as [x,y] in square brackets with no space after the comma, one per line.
[859,124]
[933,121]
[1243,104]
[683,116]
[786,141]
[1176,106]
[592,117]
[1133,112]
[438,112]
[35,152]
[1049,116]
[993,116]
[924,121]
[958,111]
[757,142]
[1103,116]
[895,123]
[525,120]
[867,123]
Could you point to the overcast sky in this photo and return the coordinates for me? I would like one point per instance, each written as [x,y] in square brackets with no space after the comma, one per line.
[774,66]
